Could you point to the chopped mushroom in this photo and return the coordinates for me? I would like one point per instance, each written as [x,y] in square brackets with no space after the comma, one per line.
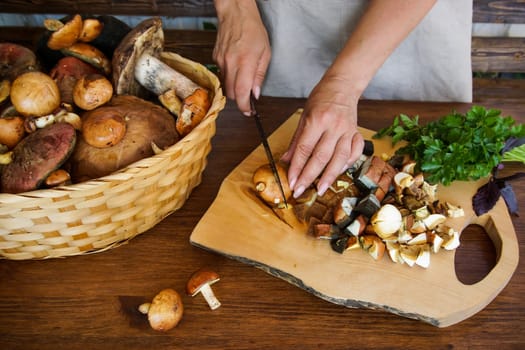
[200,282]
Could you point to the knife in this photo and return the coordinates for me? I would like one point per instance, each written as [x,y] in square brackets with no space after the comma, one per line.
[266,146]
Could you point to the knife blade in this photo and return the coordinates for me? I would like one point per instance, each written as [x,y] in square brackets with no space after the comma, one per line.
[264,140]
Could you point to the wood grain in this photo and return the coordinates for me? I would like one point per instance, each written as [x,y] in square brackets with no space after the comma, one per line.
[89,302]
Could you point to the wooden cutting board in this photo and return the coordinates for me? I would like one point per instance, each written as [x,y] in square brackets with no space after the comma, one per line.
[240,227]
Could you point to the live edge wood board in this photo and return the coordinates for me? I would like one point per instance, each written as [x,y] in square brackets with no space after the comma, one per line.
[239,226]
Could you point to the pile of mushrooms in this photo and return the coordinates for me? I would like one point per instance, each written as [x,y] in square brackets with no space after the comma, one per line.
[107,82]
[375,206]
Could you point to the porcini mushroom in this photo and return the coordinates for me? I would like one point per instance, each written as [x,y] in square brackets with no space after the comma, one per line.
[165,310]
[145,123]
[137,66]
[200,282]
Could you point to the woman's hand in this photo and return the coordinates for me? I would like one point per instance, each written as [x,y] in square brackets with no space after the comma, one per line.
[242,50]
[326,140]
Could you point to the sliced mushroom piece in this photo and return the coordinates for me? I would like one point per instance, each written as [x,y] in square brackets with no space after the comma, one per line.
[368,205]
[418,239]
[402,180]
[435,242]
[423,258]
[433,220]
[451,242]
[344,212]
[326,231]
[409,254]
[393,249]
[454,211]
[340,243]
[373,245]
[200,282]
[357,226]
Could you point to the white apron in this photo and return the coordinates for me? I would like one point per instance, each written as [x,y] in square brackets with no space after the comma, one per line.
[432,64]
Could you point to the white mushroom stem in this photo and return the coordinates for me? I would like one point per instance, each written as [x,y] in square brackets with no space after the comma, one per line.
[158,77]
[207,293]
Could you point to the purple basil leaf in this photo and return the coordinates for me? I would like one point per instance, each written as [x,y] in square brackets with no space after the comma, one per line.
[511,143]
[486,197]
[510,198]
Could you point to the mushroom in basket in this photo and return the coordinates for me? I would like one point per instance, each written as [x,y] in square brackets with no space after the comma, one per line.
[123,131]
[136,67]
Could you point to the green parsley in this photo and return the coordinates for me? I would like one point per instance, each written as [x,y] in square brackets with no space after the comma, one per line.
[456,146]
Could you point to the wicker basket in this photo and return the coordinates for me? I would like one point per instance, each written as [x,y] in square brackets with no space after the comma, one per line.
[100,214]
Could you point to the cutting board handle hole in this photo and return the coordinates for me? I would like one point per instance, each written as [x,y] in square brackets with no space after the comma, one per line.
[476,256]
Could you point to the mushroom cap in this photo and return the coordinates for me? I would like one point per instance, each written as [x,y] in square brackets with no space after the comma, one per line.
[166,310]
[199,279]
[67,35]
[36,156]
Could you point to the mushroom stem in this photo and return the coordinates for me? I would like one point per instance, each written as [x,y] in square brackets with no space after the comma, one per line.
[158,77]
[209,296]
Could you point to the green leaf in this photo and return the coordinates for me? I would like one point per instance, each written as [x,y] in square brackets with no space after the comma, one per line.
[456,146]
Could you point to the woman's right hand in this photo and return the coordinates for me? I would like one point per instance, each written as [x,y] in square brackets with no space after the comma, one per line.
[242,50]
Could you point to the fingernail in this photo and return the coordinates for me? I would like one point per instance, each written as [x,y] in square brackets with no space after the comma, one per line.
[285,154]
[345,167]
[322,189]
[256,92]
[299,191]
[248,114]
[291,182]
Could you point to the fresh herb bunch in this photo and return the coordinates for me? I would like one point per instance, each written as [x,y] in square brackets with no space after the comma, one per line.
[457,146]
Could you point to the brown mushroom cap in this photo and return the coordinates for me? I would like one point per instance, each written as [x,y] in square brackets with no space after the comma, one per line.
[166,310]
[37,155]
[199,279]
[11,130]
[65,36]
[15,60]
[146,123]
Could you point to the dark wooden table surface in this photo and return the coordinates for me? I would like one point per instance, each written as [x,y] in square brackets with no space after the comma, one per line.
[90,301]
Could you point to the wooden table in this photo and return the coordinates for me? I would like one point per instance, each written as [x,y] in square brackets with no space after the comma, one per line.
[90,301]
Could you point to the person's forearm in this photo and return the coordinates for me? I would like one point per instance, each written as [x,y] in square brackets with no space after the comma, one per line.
[223,7]
[381,29]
